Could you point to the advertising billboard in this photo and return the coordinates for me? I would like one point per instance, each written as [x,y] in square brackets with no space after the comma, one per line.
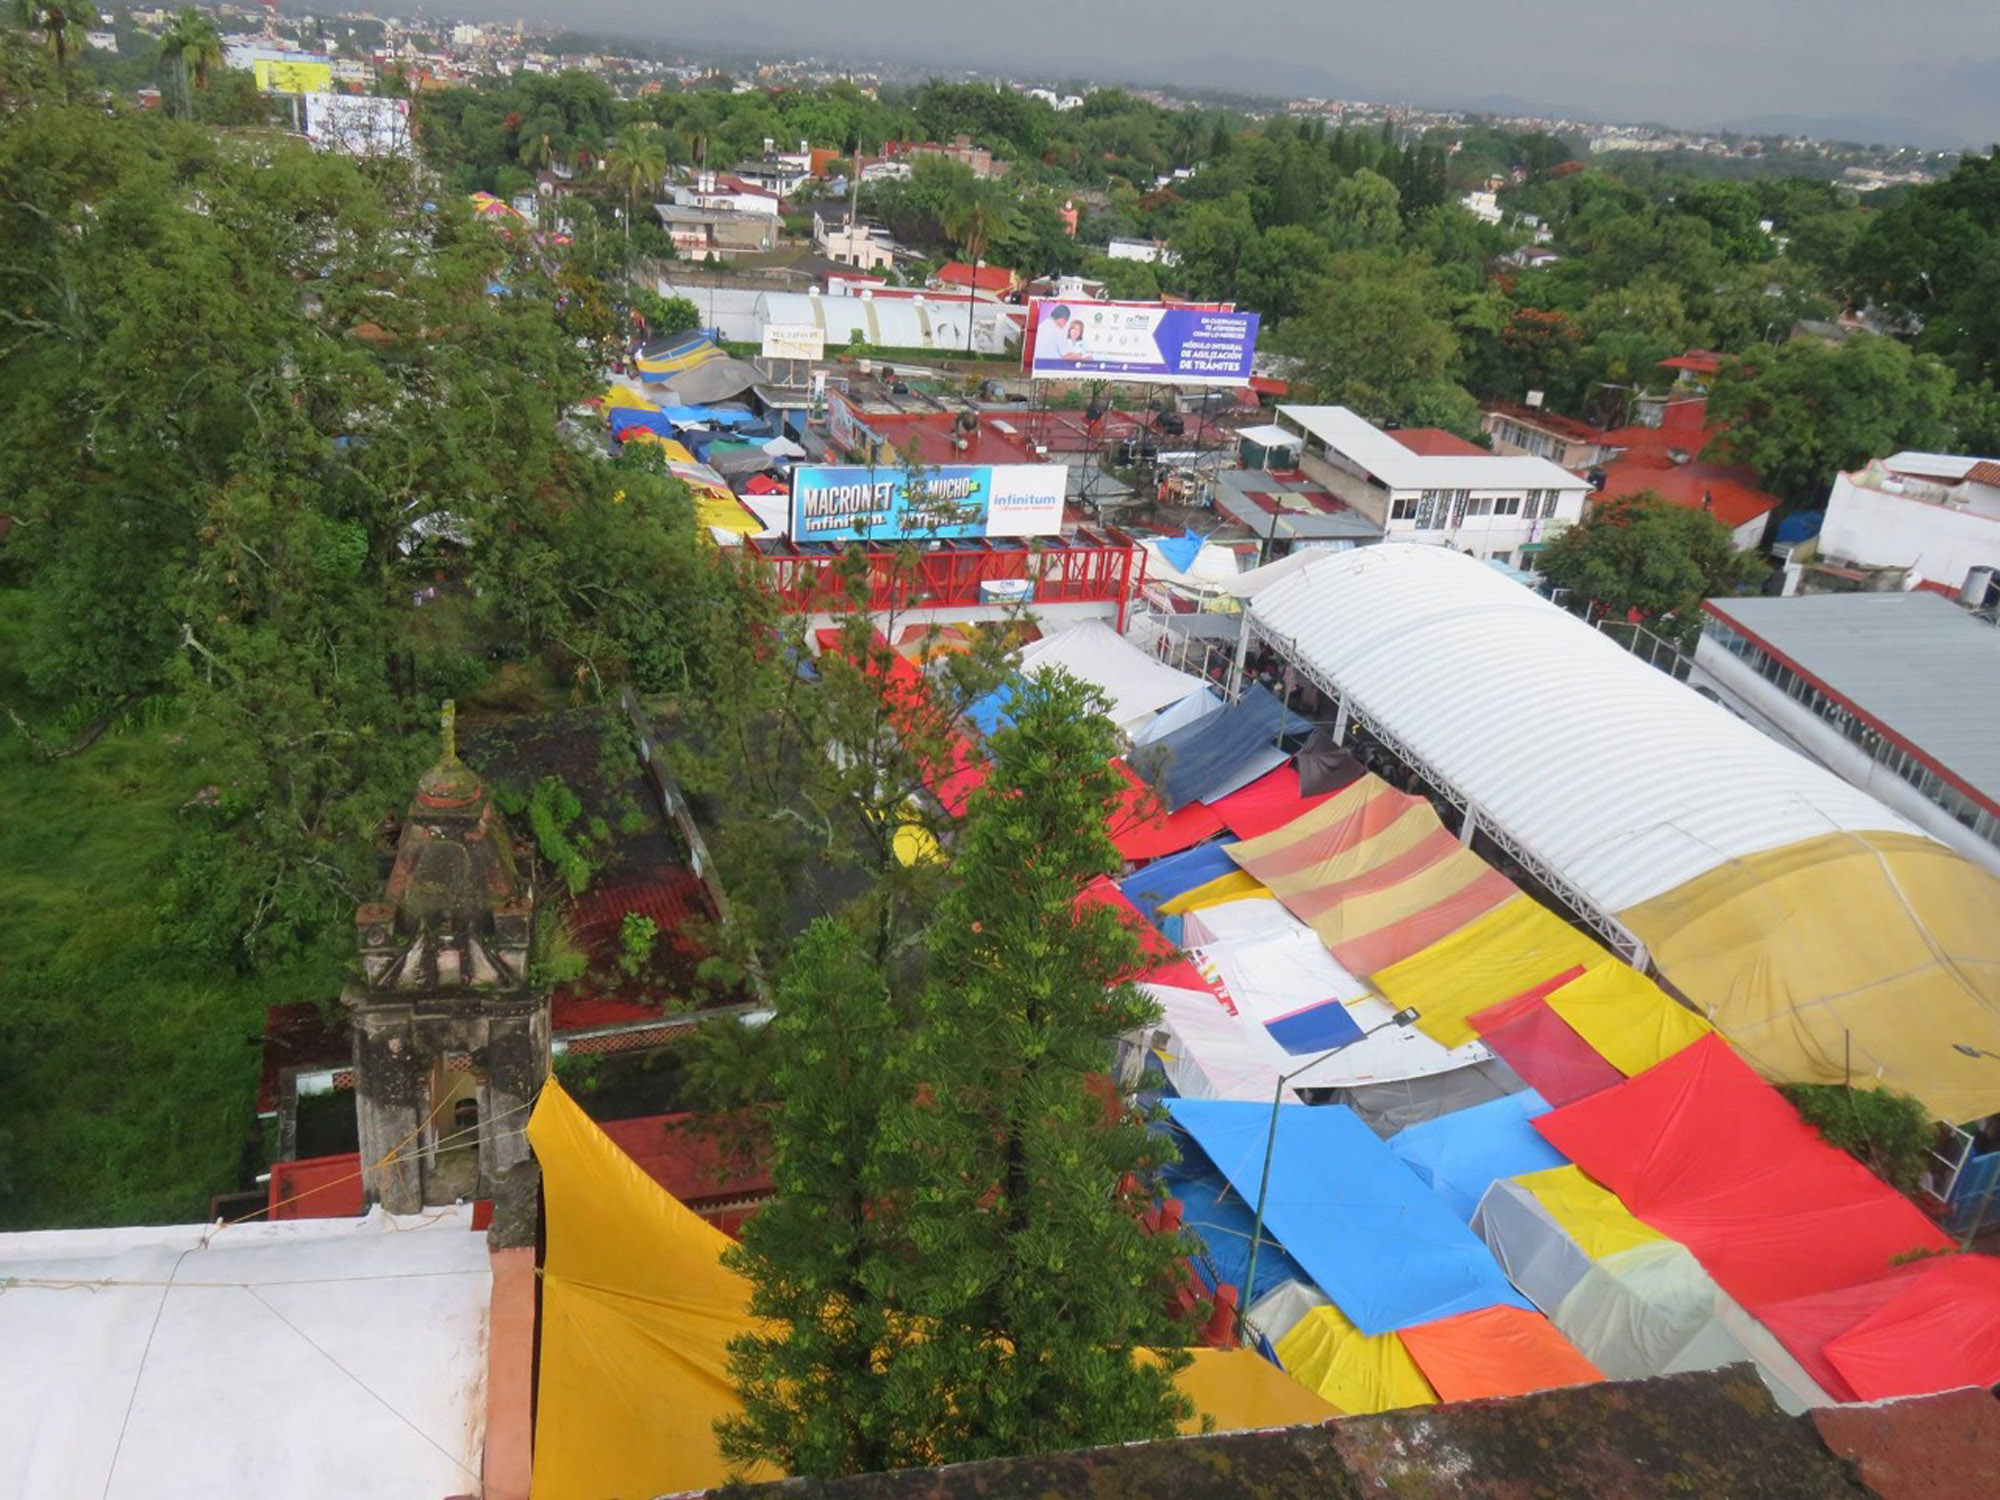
[852,503]
[292,75]
[358,125]
[1146,342]
[794,341]
[842,423]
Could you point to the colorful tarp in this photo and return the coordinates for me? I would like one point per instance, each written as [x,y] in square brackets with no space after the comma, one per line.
[1374,873]
[1370,1235]
[1890,942]
[1460,1155]
[1626,1018]
[1497,1351]
[1269,802]
[1939,1330]
[1143,830]
[1493,958]
[1708,1153]
[1546,1051]
[1221,891]
[1589,1213]
[1164,879]
[662,363]
[1359,1373]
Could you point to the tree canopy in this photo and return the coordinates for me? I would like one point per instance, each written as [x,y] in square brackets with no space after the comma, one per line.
[1643,558]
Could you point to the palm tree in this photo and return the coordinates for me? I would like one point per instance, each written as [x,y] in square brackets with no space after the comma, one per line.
[638,159]
[972,222]
[191,41]
[62,24]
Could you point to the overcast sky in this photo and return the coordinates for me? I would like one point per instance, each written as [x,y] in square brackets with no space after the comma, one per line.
[1930,65]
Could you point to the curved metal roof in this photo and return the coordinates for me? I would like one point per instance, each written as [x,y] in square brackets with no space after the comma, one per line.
[1623,781]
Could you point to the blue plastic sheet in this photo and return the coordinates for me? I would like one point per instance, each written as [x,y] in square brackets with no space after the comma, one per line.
[1217,1216]
[1181,550]
[1167,878]
[1317,1028]
[1464,1153]
[622,417]
[1364,1228]
[1208,757]
[990,713]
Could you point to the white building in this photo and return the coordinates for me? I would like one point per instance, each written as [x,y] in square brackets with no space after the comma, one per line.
[854,242]
[353,70]
[719,190]
[1892,692]
[1933,514]
[1424,485]
[1483,206]
[1152,252]
[101,41]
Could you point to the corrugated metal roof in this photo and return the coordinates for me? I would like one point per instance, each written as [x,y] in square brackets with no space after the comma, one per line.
[1628,783]
[1396,466]
[1916,664]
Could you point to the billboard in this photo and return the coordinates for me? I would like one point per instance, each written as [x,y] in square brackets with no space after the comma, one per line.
[794,341]
[842,423]
[358,125]
[292,75]
[1145,342]
[851,503]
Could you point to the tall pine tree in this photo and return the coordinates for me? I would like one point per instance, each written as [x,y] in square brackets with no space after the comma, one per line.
[1033,1280]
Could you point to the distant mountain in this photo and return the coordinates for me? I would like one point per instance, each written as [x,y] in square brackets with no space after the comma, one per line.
[1862,130]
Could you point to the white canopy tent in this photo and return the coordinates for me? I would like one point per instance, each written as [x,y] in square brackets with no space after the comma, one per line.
[1138,685]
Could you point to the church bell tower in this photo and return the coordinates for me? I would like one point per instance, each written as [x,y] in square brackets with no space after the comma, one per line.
[451,1039]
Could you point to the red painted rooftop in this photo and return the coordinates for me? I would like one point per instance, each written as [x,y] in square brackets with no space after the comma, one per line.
[987,278]
[1729,492]
[1548,421]
[1435,442]
[934,434]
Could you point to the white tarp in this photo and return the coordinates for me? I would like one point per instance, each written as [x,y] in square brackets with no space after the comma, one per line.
[1280,1310]
[294,1359]
[1138,685]
[1270,977]
[1644,1311]
[1233,921]
[1174,716]
[1208,1053]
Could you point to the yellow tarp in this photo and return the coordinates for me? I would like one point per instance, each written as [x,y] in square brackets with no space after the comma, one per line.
[915,844]
[1630,1021]
[1235,886]
[722,510]
[1588,1212]
[688,357]
[1358,1372]
[1238,1390]
[638,1311]
[1889,940]
[637,1315]
[1495,957]
[628,397]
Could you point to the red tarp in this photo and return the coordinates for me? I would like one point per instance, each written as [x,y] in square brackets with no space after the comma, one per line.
[1806,1325]
[1709,1154]
[1546,1051]
[1495,1016]
[952,784]
[1166,964]
[1939,1331]
[1269,802]
[1143,831]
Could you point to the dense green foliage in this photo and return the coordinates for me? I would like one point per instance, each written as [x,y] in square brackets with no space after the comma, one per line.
[1889,1133]
[956,1247]
[1638,556]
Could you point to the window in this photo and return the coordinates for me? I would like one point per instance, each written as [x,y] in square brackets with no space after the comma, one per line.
[1480,505]
[1403,510]
[1506,505]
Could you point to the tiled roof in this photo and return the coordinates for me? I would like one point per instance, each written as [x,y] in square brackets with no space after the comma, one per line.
[988,278]
[1436,442]
[1729,492]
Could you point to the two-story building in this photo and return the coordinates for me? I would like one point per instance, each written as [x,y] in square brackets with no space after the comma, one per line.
[1425,485]
[853,242]
[1521,429]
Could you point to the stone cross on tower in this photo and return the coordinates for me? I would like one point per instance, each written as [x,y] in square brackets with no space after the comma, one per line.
[451,1038]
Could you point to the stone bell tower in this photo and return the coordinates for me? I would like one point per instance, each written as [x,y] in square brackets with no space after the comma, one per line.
[451,1041]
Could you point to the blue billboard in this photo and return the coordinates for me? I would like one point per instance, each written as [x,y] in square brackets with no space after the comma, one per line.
[852,502]
[1081,339]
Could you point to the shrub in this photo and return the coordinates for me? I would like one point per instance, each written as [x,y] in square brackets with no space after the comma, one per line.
[1889,1133]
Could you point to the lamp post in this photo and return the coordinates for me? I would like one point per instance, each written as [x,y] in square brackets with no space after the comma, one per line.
[1966,1049]
[1405,1017]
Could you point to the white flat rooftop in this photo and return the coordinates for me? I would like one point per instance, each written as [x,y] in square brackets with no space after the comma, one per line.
[329,1357]
[1400,468]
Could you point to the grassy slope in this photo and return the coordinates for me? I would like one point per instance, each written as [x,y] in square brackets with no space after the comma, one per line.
[128,1078]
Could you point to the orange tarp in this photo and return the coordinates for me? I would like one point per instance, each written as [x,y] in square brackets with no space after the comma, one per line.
[1496,1351]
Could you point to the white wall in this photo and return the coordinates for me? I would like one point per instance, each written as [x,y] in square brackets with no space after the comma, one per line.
[1762,704]
[1938,543]
[1490,536]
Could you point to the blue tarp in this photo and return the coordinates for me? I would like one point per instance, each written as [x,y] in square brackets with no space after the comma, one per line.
[1800,524]
[1207,757]
[708,416]
[1181,550]
[622,417]
[1360,1223]
[990,713]
[1462,1154]
[1167,878]
[1317,1028]
[1221,1220]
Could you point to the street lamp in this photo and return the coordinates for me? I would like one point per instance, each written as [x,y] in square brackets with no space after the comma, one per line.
[1966,1049]
[1404,1017]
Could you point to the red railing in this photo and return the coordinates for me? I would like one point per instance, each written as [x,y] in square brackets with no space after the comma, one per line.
[1087,566]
